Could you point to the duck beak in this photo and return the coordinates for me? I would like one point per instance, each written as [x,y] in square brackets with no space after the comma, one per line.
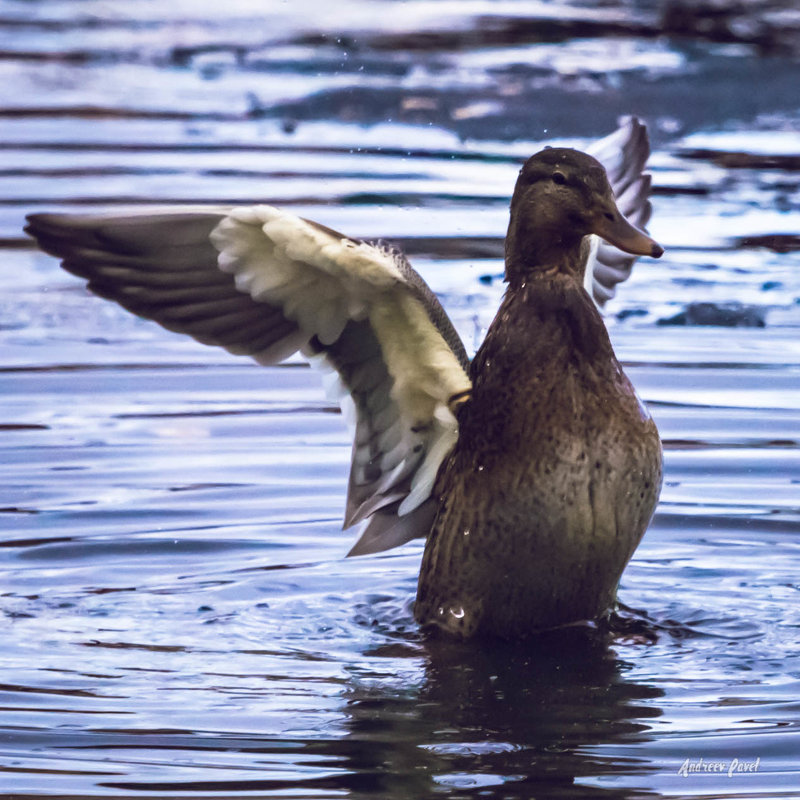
[618,231]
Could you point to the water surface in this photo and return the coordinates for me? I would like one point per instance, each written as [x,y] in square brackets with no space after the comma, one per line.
[178,618]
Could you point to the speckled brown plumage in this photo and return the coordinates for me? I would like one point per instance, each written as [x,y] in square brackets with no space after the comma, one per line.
[557,468]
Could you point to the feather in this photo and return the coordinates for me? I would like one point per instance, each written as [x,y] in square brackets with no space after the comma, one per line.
[624,154]
[262,282]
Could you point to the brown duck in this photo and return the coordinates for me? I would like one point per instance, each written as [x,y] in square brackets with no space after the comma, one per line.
[533,471]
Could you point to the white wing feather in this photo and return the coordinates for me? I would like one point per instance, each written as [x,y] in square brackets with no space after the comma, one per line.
[322,283]
[260,281]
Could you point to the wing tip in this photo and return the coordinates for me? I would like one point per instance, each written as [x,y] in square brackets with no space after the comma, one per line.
[627,151]
[386,530]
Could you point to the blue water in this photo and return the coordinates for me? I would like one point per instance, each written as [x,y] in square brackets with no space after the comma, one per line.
[177,616]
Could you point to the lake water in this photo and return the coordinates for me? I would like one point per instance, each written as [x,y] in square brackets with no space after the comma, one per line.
[177,617]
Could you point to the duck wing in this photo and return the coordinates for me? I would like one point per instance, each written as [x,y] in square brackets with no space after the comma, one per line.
[624,154]
[260,282]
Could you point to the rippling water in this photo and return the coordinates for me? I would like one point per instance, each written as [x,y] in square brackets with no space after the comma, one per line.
[177,616]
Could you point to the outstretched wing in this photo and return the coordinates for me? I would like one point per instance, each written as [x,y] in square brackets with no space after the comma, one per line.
[261,282]
[624,154]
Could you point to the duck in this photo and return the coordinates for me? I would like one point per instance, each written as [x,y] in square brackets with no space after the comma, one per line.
[532,469]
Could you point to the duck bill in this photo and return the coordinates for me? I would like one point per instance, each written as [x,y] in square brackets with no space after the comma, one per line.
[619,232]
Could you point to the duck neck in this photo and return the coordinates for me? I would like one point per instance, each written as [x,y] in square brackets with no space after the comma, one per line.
[528,255]
[551,309]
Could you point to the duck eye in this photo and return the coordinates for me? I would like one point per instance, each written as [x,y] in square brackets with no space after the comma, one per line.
[558,177]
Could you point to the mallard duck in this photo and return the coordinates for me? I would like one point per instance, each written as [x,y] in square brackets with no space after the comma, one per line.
[533,470]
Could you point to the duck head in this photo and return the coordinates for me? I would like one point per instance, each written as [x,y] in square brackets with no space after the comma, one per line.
[562,196]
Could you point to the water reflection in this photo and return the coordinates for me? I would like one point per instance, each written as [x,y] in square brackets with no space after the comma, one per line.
[518,716]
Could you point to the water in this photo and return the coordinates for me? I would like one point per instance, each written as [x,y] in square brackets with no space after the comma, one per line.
[178,619]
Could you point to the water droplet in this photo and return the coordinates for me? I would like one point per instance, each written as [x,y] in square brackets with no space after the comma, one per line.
[466,532]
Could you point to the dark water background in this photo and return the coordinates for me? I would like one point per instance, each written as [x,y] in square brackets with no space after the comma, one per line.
[177,619]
